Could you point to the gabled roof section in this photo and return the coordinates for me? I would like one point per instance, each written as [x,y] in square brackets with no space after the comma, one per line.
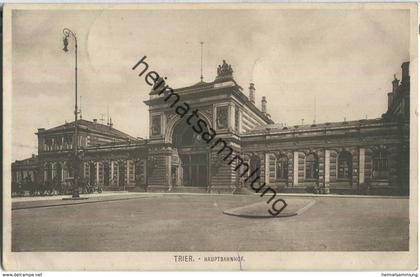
[223,81]
[89,125]
[196,87]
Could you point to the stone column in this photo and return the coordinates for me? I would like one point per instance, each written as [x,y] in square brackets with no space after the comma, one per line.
[111,182]
[355,168]
[168,172]
[267,168]
[240,120]
[53,170]
[127,164]
[361,165]
[45,172]
[327,171]
[295,168]
[134,172]
[62,172]
[231,115]
[97,172]
[117,169]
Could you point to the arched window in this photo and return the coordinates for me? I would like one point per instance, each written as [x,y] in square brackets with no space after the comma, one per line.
[184,135]
[311,167]
[379,165]
[345,162]
[282,168]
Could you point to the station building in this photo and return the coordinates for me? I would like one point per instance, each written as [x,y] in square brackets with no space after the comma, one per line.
[367,156]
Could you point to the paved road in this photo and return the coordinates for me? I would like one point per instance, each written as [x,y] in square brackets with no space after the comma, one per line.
[196,223]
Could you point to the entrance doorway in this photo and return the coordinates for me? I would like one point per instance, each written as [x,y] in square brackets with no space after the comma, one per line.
[255,165]
[92,173]
[194,170]
[121,175]
[174,175]
[106,174]
[193,156]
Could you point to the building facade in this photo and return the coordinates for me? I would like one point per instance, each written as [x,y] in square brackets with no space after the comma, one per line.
[350,157]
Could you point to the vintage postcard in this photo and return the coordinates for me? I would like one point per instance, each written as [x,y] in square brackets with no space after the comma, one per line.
[210,137]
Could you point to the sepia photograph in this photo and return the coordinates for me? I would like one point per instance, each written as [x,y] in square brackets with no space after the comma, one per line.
[210,137]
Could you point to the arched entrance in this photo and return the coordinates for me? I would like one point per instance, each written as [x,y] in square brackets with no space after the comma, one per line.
[193,156]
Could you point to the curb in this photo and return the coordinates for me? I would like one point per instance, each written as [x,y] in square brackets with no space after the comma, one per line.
[67,203]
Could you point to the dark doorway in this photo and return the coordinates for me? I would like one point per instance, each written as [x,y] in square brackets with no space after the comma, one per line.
[345,164]
[255,164]
[311,167]
[106,174]
[92,173]
[194,170]
[121,174]
[49,172]
[58,172]
[174,175]
[193,153]
[282,168]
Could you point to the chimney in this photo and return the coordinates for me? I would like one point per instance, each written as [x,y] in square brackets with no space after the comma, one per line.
[395,84]
[264,105]
[110,123]
[252,93]
[95,120]
[405,77]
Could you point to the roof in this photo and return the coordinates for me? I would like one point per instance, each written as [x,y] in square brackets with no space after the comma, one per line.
[281,128]
[198,86]
[94,126]
[204,87]
[27,162]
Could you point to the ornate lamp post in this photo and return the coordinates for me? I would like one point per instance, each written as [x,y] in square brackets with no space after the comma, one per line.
[69,34]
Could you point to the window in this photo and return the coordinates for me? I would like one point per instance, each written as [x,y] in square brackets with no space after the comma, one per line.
[184,135]
[68,141]
[282,169]
[222,117]
[48,144]
[380,165]
[311,167]
[345,165]
[156,125]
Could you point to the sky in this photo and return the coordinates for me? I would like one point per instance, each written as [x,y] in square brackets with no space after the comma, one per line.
[310,64]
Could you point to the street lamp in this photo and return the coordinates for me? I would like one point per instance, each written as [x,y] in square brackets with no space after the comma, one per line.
[69,34]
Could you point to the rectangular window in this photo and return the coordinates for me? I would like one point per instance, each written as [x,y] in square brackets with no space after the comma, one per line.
[156,125]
